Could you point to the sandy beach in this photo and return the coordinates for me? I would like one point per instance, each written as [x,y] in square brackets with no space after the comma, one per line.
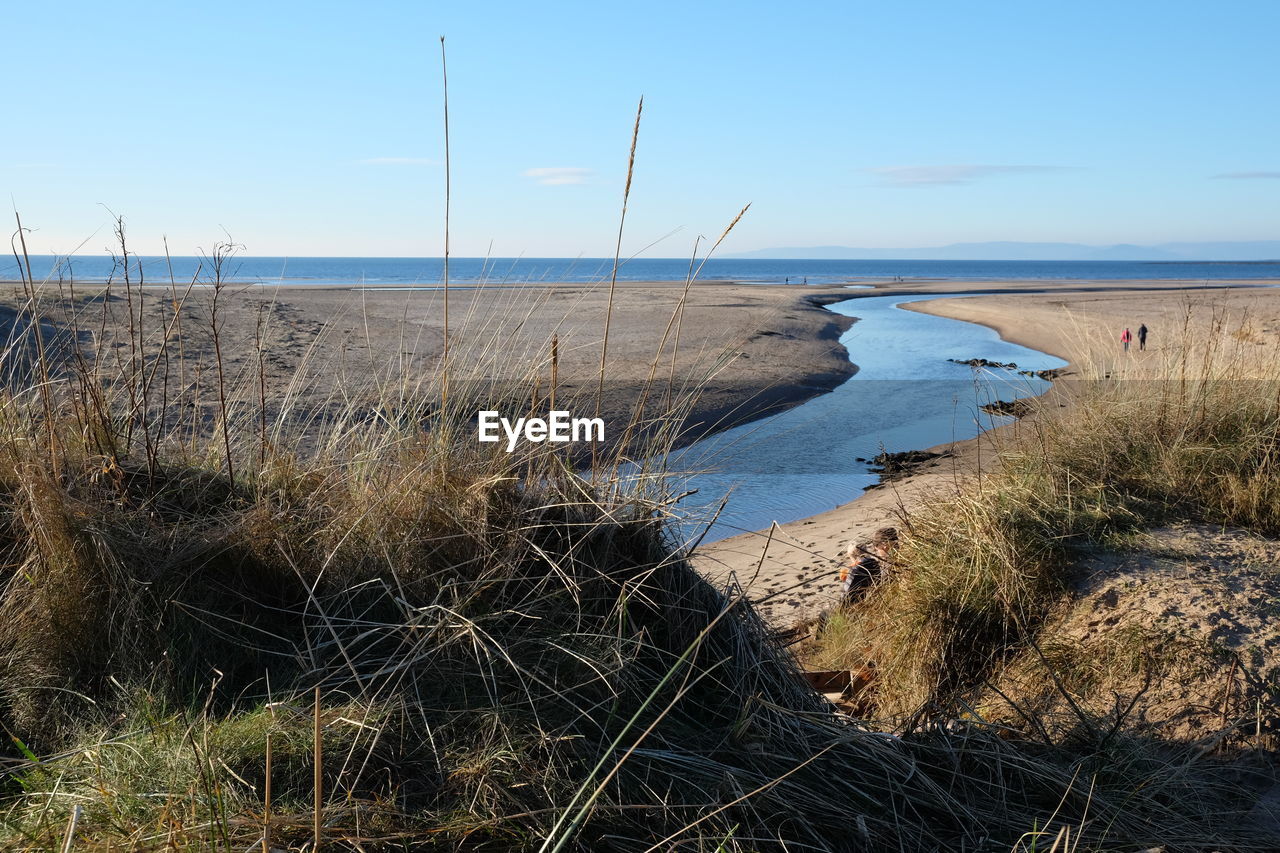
[748,349]
[791,571]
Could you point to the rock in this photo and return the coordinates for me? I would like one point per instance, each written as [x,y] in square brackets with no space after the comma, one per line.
[982,362]
[1050,374]
[1008,408]
[894,466]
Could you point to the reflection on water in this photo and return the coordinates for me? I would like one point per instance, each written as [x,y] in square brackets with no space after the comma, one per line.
[905,396]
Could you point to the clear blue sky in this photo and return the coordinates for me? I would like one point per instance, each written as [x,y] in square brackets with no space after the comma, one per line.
[315,128]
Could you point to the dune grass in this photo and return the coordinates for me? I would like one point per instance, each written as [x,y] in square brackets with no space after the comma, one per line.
[231,620]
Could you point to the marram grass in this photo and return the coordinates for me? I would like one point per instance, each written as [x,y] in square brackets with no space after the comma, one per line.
[507,654]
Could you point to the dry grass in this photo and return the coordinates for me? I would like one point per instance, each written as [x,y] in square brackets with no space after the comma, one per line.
[508,654]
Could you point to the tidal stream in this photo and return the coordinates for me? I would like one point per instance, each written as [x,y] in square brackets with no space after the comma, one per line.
[906,395]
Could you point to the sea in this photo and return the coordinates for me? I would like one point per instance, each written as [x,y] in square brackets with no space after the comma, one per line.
[429,272]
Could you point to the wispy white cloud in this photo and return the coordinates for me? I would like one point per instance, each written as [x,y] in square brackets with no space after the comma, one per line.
[556,176]
[1249,176]
[399,161]
[950,175]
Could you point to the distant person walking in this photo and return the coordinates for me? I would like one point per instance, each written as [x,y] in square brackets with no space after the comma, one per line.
[1142,337]
[1126,338]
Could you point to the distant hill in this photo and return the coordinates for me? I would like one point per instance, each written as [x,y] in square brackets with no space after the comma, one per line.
[1258,250]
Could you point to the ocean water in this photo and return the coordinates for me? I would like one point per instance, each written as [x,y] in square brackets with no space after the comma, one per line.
[429,271]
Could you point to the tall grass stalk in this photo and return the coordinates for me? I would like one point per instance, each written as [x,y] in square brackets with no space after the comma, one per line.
[448,198]
[617,257]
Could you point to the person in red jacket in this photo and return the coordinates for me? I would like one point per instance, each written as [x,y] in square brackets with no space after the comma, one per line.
[1126,338]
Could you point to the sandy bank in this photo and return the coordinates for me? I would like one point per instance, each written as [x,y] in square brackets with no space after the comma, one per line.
[1083,325]
[752,349]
